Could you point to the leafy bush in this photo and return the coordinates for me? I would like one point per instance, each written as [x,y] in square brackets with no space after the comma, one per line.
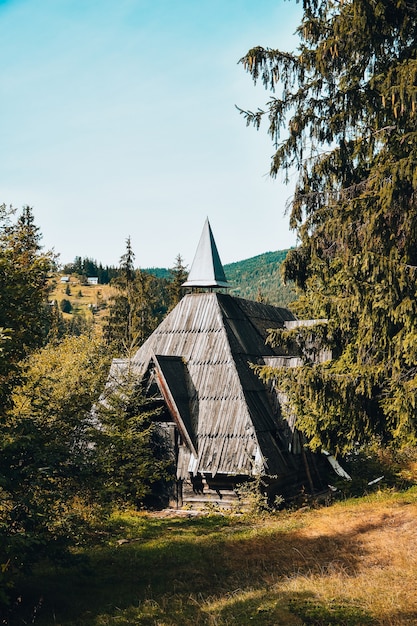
[133,457]
[45,454]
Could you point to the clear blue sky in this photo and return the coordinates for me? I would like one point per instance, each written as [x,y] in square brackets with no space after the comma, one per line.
[118,119]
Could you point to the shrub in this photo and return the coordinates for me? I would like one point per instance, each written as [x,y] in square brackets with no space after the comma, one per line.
[66,306]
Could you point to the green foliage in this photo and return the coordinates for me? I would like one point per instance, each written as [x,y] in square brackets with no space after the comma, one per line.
[65,305]
[133,457]
[134,313]
[24,310]
[77,324]
[159,272]
[89,267]
[254,499]
[346,564]
[261,276]
[178,276]
[45,456]
[136,309]
[348,107]
[314,613]
[53,480]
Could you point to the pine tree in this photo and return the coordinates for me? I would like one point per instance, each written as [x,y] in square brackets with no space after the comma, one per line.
[78,265]
[134,312]
[178,276]
[145,306]
[127,267]
[347,114]
[24,310]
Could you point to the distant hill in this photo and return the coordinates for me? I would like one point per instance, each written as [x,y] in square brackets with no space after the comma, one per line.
[260,277]
[254,278]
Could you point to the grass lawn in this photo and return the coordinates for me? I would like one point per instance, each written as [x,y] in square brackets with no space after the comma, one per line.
[350,563]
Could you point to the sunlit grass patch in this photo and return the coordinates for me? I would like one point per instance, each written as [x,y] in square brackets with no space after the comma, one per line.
[351,563]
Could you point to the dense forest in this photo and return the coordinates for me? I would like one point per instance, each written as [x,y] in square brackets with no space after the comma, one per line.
[260,278]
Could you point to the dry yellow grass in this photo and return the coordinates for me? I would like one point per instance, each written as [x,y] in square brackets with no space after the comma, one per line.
[362,556]
[375,562]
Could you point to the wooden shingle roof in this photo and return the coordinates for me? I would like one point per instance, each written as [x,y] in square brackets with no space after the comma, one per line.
[202,351]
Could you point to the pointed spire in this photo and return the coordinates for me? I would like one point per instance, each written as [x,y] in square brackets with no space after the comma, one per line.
[207,269]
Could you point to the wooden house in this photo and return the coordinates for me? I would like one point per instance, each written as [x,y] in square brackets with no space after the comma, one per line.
[225,425]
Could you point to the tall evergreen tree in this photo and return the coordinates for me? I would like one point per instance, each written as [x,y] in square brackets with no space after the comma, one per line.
[145,311]
[118,327]
[78,265]
[127,265]
[348,111]
[24,271]
[178,276]
[134,312]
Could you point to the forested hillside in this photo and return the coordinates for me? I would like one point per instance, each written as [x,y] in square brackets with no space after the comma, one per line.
[256,278]
[260,278]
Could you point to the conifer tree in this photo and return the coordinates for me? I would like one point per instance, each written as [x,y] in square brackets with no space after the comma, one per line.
[178,276]
[127,265]
[24,311]
[346,120]
[118,327]
[133,314]
[145,310]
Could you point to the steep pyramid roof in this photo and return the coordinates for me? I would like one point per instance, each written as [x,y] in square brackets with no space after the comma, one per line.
[207,269]
[200,358]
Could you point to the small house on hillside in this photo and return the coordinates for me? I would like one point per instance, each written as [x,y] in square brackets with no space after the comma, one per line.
[225,424]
